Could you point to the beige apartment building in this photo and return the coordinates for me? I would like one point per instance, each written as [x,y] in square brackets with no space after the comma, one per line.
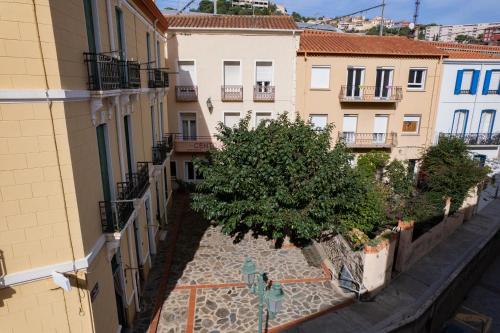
[83,161]
[378,92]
[227,67]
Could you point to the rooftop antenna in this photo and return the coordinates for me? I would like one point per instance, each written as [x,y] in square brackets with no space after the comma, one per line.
[381,31]
[415,17]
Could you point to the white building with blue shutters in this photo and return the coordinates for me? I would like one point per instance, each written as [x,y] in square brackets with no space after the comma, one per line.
[469,103]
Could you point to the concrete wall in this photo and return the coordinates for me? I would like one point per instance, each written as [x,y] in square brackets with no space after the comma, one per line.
[414,102]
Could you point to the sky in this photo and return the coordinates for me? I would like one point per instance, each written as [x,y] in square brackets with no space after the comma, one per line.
[431,11]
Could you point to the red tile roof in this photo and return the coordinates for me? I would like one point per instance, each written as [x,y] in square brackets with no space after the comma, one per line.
[346,43]
[469,51]
[149,8]
[209,21]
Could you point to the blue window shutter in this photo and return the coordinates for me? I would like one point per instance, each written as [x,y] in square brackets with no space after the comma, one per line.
[486,84]
[458,83]
[475,81]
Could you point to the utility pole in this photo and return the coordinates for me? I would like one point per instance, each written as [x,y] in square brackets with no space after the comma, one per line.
[381,32]
[215,7]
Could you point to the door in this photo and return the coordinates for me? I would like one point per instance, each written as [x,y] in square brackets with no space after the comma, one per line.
[354,80]
[459,123]
[383,83]
[128,144]
[188,126]
[349,128]
[149,221]
[121,33]
[120,304]
[380,129]
[138,254]
[89,23]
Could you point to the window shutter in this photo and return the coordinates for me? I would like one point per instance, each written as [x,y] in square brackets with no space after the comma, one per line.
[486,84]
[458,83]
[475,81]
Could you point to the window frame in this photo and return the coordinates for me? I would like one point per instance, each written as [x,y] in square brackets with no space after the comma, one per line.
[260,112]
[492,125]
[311,87]
[424,79]
[195,71]
[186,179]
[320,115]
[230,113]
[223,78]
[465,123]
[419,123]
[255,71]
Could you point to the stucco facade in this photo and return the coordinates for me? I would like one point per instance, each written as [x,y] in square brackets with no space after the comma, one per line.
[58,123]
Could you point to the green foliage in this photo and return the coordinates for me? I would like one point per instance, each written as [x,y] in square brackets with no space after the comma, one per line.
[372,164]
[283,178]
[400,183]
[449,171]
[225,7]
[468,39]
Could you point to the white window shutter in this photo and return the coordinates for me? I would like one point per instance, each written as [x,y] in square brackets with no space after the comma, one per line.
[264,71]
[320,77]
[232,73]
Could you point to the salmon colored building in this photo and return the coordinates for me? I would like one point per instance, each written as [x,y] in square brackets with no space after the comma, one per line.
[83,180]
[379,92]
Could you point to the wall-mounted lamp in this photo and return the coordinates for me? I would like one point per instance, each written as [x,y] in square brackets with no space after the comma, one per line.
[210,105]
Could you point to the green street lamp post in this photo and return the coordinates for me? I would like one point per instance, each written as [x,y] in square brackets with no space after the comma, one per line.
[272,296]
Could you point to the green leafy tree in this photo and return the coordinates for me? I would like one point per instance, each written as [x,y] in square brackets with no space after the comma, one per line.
[280,179]
[449,171]
[371,165]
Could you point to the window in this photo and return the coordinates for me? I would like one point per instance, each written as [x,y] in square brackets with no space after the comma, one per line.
[355,77]
[158,54]
[187,73]
[416,78]
[319,121]
[160,123]
[380,128]
[103,148]
[231,119]
[349,127]
[459,124]
[491,82]
[487,121]
[383,83]
[232,73]
[188,126]
[148,49]
[173,169]
[262,116]
[121,33]
[128,143]
[320,77]
[411,124]
[263,74]
[190,172]
[153,125]
[466,82]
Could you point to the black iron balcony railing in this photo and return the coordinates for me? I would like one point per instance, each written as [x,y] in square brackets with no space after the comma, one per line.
[130,74]
[186,93]
[165,82]
[475,139]
[155,78]
[263,93]
[232,93]
[368,140]
[103,71]
[370,94]
[162,149]
[114,215]
[493,92]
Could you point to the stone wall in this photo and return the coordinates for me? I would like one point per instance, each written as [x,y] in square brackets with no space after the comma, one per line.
[339,253]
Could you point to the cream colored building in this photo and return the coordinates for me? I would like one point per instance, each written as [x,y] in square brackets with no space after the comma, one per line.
[227,67]
[378,92]
[83,177]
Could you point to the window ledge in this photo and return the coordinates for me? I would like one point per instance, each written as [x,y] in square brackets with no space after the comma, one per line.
[416,89]
[409,134]
[320,89]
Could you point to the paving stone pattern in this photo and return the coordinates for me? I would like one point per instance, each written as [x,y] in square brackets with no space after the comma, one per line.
[173,317]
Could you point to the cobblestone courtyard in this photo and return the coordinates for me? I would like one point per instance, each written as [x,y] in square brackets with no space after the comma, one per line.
[204,291]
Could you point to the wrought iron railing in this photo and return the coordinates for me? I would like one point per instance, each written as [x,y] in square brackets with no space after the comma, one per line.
[186,93]
[352,139]
[485,139]
[103,71]
[130,74]
[370,94]
[155,78]
[114,215]
[162,149]
[166,82]
[263,93]
[232,93]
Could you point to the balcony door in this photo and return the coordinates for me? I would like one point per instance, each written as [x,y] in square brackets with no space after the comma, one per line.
[459,124]
[232,73]
[380,129]
[188,126]
[102,144]
[383,83]
[349,127]
[263,75]
[89,23]
[355,77]
[187,73]
[128,143]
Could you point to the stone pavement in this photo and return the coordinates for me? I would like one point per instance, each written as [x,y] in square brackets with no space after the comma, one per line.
[202,289]
[413,292]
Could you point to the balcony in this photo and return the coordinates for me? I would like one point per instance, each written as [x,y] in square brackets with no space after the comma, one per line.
[162,149]
[263,93]
[232,93]
[186,93]
[368,140]
[371,94]
[475,139]
[103,71]
[193,144]
[114,215]
[157,78]
[130,74]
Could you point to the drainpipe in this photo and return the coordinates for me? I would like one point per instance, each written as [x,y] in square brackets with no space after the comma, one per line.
[111,34]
